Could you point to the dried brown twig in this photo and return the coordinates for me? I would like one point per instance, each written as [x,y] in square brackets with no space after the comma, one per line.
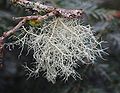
[37,6]
[50,11]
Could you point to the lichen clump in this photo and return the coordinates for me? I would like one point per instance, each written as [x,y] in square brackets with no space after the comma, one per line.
[59,46]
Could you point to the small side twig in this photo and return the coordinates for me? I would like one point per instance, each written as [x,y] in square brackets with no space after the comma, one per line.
[4,36]
[22,22]
[38,17]
[15,29]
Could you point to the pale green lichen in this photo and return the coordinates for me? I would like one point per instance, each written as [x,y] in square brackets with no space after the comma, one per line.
[58,47]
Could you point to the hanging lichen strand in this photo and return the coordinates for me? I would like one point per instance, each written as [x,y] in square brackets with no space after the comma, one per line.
[59,45]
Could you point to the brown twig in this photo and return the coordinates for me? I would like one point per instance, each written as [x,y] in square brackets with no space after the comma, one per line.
[69,13]
[1,53]
[8,33]
[38,17]
[21,23]
[5,35]
[15,29]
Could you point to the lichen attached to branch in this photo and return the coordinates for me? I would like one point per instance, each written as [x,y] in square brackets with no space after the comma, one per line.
[60,46]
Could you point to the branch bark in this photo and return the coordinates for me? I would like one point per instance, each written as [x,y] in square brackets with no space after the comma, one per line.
[69,13]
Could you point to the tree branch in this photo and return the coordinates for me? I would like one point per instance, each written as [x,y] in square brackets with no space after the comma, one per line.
[50,11]
[15,29]
[21,23]
[69,13]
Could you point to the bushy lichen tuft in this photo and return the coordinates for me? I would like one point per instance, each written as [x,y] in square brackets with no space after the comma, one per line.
[58,47]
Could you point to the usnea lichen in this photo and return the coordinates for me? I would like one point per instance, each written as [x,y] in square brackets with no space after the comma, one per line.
[59,45]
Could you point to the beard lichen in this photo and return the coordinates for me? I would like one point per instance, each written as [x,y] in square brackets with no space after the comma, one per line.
[59,46]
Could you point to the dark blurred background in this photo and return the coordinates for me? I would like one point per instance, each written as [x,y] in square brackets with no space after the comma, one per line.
[102,77]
